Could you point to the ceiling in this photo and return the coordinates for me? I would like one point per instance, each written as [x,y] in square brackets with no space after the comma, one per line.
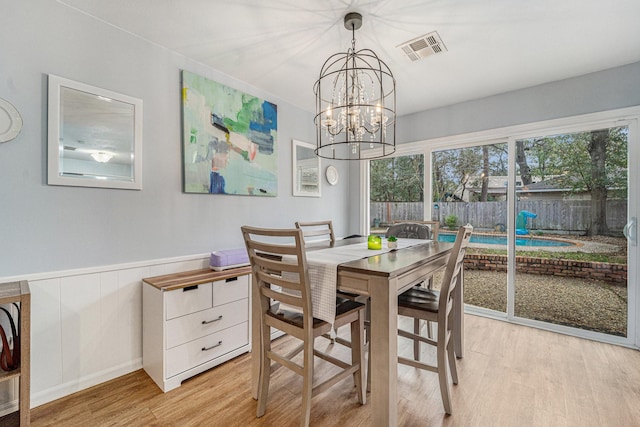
[493,46]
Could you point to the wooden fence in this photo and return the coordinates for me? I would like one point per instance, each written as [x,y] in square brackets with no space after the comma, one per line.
[552,215]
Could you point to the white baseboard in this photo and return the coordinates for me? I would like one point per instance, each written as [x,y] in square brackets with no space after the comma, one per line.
[71,387]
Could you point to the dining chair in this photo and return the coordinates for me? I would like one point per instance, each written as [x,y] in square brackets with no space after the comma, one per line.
[414,230]
[433,225]
[437,306]
[281,275]
[310,231]
[409,230]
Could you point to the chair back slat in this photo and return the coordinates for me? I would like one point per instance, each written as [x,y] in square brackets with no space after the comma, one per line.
[282,297]
[317,230]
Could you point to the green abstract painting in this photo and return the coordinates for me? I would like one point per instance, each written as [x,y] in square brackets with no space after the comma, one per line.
[229,140]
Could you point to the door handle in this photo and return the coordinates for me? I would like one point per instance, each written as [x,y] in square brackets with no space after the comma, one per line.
[630,231]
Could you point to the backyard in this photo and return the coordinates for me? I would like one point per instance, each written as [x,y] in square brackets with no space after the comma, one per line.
[590,304]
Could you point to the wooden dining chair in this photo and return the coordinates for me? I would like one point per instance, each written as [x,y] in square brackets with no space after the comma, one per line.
[314,231]
[281,275]
[414,230]
[437,306]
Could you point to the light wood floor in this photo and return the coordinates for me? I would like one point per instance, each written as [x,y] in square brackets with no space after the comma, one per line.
[510,376]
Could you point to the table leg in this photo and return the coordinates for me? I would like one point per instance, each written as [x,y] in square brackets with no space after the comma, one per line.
[384,352]
[255,339]
[458,326]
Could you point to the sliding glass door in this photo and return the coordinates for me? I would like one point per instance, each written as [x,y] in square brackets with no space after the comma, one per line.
[554,213]
[571,209]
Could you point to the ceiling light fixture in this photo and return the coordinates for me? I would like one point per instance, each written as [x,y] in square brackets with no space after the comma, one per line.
[101,156]
[355,104]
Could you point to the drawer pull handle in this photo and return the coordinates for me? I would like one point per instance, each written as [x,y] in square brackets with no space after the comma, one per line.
[190,288]
[231,279]
[206,322]
[213,346]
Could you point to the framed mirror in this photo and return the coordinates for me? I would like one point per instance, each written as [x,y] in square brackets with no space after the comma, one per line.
[95,136]
[306,170]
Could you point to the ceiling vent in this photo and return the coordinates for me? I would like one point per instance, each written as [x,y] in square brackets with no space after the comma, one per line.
[423,46]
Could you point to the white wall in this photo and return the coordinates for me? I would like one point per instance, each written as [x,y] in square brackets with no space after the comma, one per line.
[85,250]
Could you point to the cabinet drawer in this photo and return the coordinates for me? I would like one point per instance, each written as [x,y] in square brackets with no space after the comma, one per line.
[188,300]
[190,327]
[233,289]
[202,350]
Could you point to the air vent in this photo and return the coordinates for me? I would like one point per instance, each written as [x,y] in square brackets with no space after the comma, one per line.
[423,46]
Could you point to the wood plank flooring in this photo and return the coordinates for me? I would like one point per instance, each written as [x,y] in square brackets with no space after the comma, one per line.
[511,376]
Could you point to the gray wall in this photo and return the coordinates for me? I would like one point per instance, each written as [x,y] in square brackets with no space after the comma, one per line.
[47,228]
[605,90]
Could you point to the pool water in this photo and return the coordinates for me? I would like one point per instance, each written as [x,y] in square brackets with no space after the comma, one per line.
[502,240]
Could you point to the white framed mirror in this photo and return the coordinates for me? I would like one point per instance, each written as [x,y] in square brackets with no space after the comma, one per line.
[306,170]
[94,136]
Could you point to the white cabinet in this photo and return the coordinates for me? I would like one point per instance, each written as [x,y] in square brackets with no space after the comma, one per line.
[193,321]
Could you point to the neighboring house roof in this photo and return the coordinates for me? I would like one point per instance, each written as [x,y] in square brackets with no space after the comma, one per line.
[560,183]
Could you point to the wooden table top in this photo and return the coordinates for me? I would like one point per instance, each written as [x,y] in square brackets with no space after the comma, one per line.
[184,279]
[390,263]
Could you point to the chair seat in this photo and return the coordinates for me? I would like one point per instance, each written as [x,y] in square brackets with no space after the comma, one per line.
[344,307]
[420,299]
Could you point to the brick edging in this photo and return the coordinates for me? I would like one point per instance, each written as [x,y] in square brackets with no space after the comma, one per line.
[608,272]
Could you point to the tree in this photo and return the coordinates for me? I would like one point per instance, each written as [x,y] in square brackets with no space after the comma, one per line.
[521,160]
[597,148]
[397,179]
[455,170]
[484,192]
[594,161]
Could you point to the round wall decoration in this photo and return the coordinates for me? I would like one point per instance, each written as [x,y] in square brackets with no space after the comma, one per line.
[10,121]
[332,175]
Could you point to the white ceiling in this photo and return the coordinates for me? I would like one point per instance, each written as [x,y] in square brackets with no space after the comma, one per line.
[494,46]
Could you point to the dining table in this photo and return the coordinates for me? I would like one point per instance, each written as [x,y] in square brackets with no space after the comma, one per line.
[381,276]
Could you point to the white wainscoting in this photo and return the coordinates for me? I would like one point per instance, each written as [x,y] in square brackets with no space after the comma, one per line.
[86,326]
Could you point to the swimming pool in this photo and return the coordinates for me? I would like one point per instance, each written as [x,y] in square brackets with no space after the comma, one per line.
[502,240]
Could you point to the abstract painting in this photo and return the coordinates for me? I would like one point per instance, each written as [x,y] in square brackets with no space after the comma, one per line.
[229,140]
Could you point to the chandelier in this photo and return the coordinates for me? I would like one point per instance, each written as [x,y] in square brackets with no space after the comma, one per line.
[355,103]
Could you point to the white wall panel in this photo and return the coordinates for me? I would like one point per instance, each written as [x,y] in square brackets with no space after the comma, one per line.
[46,334]
[130,314]
[110,325]
[82,328]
